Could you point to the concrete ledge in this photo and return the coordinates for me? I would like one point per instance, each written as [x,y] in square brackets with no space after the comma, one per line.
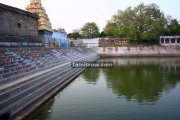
[20,104]
[29,109]
[139,55]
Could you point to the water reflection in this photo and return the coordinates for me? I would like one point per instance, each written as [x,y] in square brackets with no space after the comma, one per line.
[170,68]
[153,81]
[91,75]
[142,80]
[143,61]
[43,112]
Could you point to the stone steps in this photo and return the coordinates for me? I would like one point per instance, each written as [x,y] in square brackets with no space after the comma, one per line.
[27,95]
[17,95]
[14,88]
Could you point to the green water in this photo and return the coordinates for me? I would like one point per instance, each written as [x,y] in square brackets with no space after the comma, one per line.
[135,89]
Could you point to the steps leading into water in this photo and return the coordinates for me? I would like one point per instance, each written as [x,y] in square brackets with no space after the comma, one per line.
[18,96]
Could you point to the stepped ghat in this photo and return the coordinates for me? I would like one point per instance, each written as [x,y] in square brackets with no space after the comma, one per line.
[30,76]
[36,7]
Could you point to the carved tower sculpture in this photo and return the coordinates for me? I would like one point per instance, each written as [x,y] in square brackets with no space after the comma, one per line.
[36,7]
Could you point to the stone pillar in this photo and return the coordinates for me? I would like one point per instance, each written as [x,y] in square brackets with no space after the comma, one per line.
[169,41]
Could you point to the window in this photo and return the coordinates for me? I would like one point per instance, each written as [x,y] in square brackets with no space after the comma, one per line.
[167,40]
[19,25]
[162,40]
[1,12]
[173,40]
[178,40]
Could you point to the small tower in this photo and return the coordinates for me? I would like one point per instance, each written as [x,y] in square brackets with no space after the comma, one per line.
[44,25]
[36,7]
[35,1]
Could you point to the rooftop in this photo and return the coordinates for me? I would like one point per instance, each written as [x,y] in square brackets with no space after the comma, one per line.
[17,10]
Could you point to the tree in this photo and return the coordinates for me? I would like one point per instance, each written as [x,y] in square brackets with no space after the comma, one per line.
[75,34]
[174,27]
[90,30]
[111,29]
[144,22]
[102,34]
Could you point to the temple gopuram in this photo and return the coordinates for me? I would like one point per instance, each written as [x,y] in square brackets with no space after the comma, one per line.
[44,25]
[113,42]
[35,7]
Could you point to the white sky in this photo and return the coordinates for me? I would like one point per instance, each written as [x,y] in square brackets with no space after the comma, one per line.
[73,14]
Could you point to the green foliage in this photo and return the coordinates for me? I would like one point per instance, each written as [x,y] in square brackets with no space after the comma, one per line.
[144,22]
[91,75]
[143,83]
[102,34]
[174,27]
[111,29]
[74,35]
[90,30]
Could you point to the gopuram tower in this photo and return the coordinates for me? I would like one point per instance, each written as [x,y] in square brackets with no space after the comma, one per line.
[44,25]
[36,7]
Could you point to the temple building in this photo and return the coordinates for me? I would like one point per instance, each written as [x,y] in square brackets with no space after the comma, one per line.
[36,7]
[18,27]
[44,25]
[169,40]
[29,28]
[59,39]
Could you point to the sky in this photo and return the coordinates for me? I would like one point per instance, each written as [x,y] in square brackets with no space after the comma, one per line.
[73,14]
